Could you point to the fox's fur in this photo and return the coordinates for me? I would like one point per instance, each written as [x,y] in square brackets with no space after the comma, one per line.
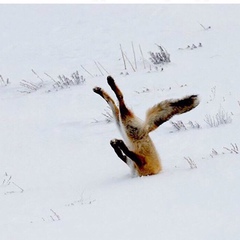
[139,151]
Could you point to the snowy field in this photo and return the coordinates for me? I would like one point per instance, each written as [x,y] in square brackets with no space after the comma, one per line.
[59,177]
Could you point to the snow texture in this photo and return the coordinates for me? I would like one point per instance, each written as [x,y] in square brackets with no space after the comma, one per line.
[60,178]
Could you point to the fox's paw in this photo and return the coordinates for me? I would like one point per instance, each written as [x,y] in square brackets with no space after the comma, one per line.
[115,142]
[98,90]
[111,82]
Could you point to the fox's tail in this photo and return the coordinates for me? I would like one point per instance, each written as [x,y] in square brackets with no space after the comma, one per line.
[164,110]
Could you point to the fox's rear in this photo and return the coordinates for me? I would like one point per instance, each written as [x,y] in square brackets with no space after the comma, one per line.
[139,151]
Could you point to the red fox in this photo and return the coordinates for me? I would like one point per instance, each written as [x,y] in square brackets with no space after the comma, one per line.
[139,152]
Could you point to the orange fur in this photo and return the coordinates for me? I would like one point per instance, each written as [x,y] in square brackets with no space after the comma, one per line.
[140,152]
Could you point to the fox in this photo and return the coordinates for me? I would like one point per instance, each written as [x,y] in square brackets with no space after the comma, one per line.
[137,150]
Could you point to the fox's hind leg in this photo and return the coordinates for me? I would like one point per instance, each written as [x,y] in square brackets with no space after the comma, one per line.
[110,102]
[124,111]
[120,148]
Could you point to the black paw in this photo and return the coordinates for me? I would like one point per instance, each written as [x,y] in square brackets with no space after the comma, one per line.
[110,81]
[98,90]
[115,142]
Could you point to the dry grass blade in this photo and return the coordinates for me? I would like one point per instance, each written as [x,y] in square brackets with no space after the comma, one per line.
[233,149]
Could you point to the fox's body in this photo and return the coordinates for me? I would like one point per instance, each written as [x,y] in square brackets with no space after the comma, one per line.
[138,141]
[139,151]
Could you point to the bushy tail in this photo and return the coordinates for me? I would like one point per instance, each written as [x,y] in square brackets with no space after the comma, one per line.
[164,110]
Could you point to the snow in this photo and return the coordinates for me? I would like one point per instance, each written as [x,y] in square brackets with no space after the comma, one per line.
[60,178]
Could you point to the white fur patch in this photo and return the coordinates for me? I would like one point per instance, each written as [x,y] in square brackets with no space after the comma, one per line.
[131,166]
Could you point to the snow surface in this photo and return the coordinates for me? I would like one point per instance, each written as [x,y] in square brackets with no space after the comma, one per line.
[60,178]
